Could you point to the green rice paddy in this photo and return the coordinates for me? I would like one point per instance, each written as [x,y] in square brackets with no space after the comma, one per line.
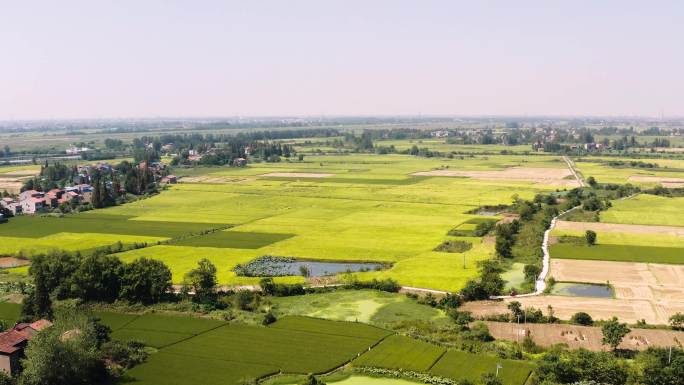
[621,253]
[399,352]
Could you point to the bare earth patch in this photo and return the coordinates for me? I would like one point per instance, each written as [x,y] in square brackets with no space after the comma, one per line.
[11,185]
[587,337]
[22,173]
[211,179]
[619,228]
[648,291]
[539,175]
[297,175]
[8,262]
[666,182]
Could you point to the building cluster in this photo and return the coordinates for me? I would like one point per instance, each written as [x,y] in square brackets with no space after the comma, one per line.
[14,341]
[32,201]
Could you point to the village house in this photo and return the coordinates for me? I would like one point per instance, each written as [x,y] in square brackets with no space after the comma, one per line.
[169,179]
[12,205]
[33,205]
[13,342]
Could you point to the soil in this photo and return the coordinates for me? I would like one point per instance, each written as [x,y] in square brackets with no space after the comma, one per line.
[8,262]
[587,337]
[538,175]
[297,175]
[649,291]
[619,228]
[670,182]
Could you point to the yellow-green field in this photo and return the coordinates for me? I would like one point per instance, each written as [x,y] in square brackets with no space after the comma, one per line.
[599,168]
[646,210]
[370,209]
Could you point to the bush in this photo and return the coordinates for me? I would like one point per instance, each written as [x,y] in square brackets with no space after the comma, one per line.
[581,318]
[269,318]
[590,236]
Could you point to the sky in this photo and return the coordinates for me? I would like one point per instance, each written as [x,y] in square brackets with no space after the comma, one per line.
[146,58]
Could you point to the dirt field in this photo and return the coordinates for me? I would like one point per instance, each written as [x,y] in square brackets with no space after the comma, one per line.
[21,173]
[583,336]
[539,175]
[211,179]
[11,185]
[620,228]
[653,292]
[666,182]
[7,262]
[297,175]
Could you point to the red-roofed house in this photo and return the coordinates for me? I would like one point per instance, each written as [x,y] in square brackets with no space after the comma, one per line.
[31,205]
[13,342]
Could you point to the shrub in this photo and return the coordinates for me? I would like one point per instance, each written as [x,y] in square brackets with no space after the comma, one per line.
[582,318]
[590,236]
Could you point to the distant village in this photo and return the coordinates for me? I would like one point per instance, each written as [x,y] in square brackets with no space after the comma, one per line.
[79,191]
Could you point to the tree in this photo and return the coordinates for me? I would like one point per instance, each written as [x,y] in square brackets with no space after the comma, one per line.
[51,277]
[269,318]
[98,278]
[591,181]
[531,272]
[490,379]
[312,380]
[590,236]
[203,281]
[516,309]
[64,354]
[6,379]
[582,318]
[677,321]
[145,281]
[614,332]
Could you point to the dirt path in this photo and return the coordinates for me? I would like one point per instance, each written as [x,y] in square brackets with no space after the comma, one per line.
[571,166]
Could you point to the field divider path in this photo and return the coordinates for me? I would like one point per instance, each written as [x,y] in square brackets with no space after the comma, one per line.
[574,172]
[192,335]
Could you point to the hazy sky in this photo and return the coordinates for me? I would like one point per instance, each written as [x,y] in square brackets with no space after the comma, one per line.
[144,58]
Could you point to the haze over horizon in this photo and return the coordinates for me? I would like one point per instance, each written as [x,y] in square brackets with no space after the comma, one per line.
[108,59]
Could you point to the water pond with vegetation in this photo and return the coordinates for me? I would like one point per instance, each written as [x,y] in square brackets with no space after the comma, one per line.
[582,290]
[270,266]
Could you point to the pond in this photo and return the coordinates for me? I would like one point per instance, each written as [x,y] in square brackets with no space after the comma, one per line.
[582,290]
[269,266]
[321,269]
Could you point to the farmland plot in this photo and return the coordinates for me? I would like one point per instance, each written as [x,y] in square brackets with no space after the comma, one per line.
[399,352]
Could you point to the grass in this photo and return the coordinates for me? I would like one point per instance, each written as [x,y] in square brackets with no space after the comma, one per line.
[622,253]
[291,351]
[9,313]
[461,365]
[28,226]
[515,276]
[222,353]
[234,240]
[378,308]
[399,352]
[155,330]
[646,209]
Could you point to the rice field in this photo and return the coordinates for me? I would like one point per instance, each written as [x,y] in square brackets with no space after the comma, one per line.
[371,209]
[646,209]
[231,353]
[399,352]
[461,365]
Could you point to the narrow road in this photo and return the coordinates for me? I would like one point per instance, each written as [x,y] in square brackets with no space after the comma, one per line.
[571,166]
